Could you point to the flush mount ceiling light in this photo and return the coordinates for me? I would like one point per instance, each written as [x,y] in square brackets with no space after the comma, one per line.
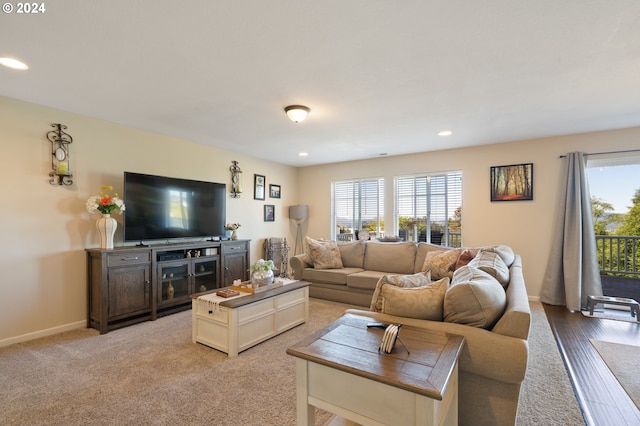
[13,63]
[297,113]
[445,133]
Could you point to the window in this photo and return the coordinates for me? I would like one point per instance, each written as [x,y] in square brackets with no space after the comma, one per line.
[429,208]
[358,204]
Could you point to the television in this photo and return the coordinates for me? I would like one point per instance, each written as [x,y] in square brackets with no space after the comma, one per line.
[163,208]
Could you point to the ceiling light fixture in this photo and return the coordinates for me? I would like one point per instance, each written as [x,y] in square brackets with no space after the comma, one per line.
[13,63]
[297,113]
[445,133]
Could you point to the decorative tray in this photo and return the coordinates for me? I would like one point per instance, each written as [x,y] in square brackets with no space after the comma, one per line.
[246,287]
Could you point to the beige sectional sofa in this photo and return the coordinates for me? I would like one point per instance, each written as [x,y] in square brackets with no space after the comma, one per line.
[495,324]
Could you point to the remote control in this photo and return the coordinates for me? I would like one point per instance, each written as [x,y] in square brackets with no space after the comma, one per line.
[377,325]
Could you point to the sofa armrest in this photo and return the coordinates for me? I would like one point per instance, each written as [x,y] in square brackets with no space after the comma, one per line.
[298,264]
[485,353]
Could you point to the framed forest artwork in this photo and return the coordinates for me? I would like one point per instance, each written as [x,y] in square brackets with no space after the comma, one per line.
[512,183]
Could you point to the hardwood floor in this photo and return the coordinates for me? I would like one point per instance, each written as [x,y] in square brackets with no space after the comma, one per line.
[602,400]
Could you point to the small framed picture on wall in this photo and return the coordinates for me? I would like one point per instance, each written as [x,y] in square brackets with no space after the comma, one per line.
[274,191]
[269,213]
[258,187]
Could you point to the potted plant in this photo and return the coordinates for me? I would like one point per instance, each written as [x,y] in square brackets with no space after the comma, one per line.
[262,273]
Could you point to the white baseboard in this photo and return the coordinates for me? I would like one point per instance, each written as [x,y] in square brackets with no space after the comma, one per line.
[42,333]
[534,299]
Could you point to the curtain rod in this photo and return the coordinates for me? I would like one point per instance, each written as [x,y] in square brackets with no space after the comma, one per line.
[607,152]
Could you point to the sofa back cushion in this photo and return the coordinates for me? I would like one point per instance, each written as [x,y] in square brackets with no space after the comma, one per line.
[352,254]
[324,254]
[474,298]
[491,263]
[396,258]
[419,302]
[421,252]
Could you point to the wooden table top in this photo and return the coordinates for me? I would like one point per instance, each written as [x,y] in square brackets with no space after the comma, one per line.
[348,345]
[246,299]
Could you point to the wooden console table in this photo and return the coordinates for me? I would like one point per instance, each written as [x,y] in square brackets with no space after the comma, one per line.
[340,370]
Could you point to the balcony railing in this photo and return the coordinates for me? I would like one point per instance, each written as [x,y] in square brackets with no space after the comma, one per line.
[619,255]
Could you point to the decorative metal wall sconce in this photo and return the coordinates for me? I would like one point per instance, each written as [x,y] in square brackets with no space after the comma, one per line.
[60,161]
[236,180]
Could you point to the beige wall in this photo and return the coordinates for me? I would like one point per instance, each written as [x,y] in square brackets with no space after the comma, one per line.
[45,228]
[527,226]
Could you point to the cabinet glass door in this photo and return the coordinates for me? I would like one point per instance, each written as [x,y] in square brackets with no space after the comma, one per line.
[205,274]
[175,283]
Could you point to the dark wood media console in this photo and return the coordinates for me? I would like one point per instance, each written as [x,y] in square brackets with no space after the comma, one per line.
[128,285]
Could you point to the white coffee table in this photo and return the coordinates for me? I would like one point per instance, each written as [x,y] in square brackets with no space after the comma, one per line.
[234,324]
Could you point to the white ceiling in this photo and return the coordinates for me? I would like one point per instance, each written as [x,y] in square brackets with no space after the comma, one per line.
[379,76]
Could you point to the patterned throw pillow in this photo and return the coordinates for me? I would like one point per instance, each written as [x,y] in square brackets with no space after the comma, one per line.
[324,254]
[465,257]
[441,263]
[404,281]
[420,302]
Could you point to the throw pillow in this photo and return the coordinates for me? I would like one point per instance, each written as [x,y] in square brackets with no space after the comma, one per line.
[465,257]
[491,263]
[325,254]
[474,298]
[405,281]
[505,253]
[441,263]
[419,302]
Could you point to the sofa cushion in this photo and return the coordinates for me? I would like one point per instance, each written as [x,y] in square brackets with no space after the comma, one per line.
[352,254]
[492,264]
[331,276]
[505,252]
[424,302]
[441,263]
[474,298]
[366,280]
[405,281]
[324,254]
[421,252]
[396,258]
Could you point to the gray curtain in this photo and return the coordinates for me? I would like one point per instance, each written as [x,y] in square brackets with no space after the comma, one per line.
[572,272]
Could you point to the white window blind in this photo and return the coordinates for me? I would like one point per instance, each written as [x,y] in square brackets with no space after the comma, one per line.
[358,204]
[428,208]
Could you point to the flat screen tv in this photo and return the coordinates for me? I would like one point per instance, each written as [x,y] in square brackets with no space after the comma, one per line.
[162,208]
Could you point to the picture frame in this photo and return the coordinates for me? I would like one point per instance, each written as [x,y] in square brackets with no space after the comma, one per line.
[512,183]
[258,187]
[269,213]
[274,191]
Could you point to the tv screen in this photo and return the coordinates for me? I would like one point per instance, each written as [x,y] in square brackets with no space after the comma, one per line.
[159,208]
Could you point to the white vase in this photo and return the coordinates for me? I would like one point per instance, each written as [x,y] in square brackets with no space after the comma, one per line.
[234,235]
[107,228]
[262,278]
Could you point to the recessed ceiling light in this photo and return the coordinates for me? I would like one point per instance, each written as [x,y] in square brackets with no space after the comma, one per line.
[303,154]
[445,133]
[13,63]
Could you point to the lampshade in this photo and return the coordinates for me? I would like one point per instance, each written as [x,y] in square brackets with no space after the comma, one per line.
[297,113]
[298,212]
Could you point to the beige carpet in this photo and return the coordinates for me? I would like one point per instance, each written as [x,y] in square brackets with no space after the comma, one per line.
[152,374]
[622,360]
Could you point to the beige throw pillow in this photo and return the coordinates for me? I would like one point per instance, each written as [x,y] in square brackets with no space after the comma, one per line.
[324,254]
[404,281]
[491,263]
[420,302]
[441,263]
[352,254]
[474,298]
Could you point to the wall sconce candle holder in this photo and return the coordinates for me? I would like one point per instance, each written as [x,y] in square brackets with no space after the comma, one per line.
[60,160]
[236,180]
